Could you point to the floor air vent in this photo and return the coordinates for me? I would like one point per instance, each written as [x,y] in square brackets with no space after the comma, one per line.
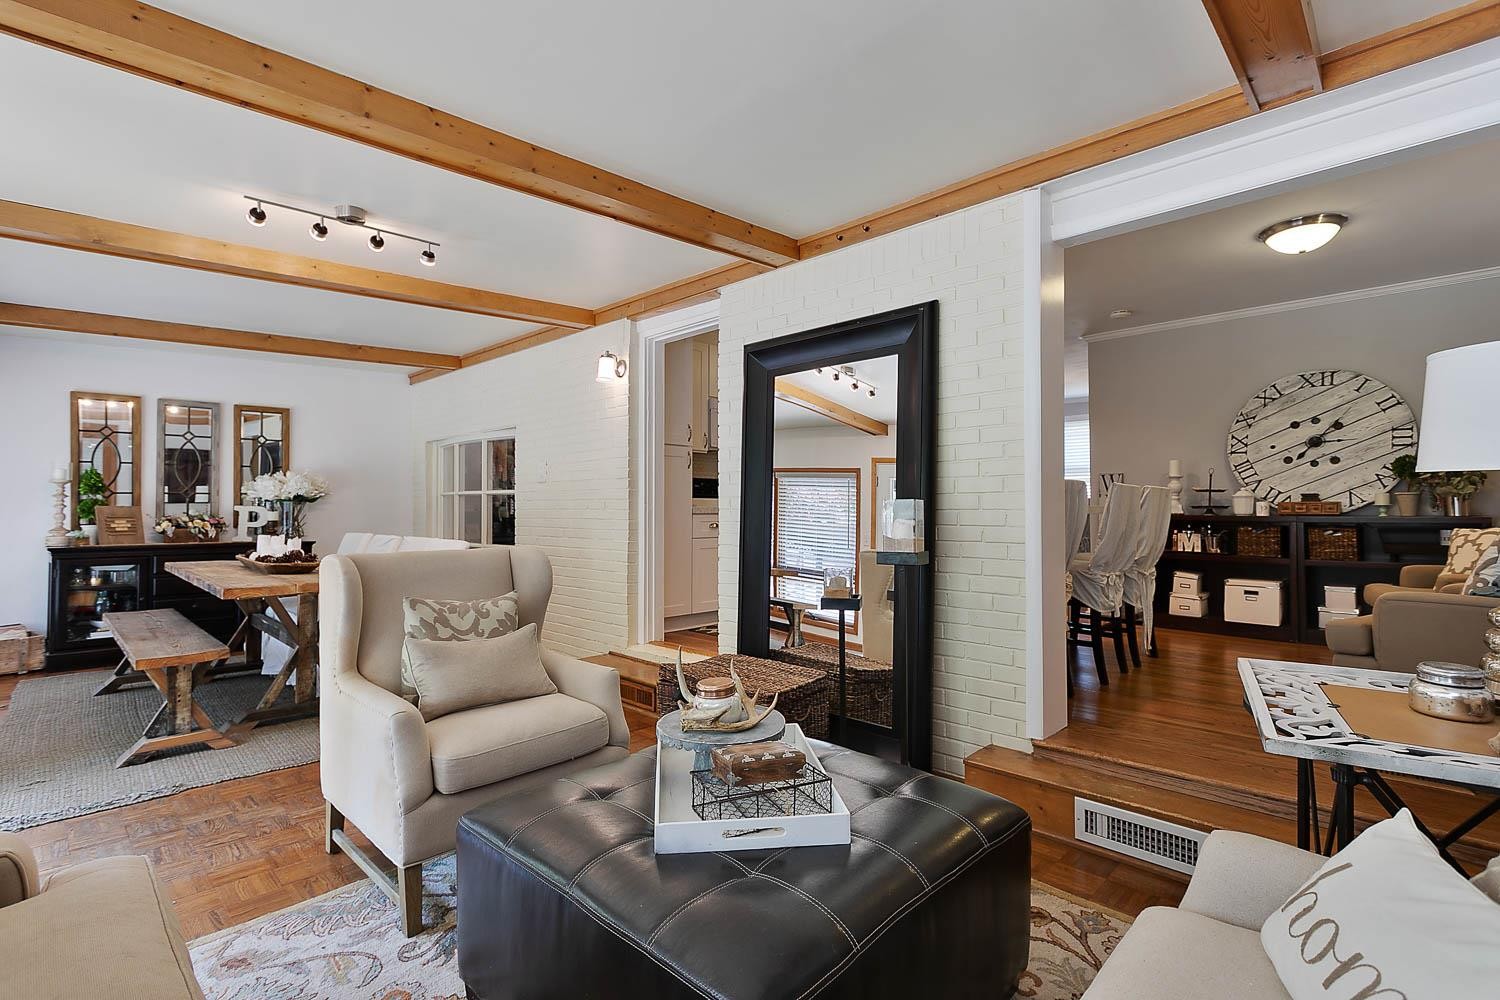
[1137,836]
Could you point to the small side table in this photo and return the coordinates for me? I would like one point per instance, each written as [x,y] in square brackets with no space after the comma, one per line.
[843,605]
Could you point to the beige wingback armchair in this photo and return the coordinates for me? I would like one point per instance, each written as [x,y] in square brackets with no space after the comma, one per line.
[403,781]
[1425,617]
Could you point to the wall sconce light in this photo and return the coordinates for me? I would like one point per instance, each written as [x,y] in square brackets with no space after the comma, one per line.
[611,367]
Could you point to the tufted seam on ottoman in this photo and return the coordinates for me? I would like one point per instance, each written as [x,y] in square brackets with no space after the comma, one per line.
[796,890]
[586,788]
[604,854]
[951,812]
[901,857]
[673,915]
[626,788]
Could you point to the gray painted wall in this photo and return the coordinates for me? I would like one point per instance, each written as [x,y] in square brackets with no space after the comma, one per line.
[1173,394]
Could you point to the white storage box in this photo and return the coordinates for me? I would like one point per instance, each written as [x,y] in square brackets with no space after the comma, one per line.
[1326,615]
[1253,602]
[1341,599]
[1187,605]
[680,831]
[1187,582]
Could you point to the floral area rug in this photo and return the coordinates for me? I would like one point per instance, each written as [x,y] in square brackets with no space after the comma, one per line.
[346,945]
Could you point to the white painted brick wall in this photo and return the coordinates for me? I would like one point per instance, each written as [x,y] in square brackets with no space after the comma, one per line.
[971,263]
[572,472]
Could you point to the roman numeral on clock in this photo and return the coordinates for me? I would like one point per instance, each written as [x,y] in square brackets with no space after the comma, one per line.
[1268,395]
[1271,493]
[1317,380]
[1356,499]
[1238,445]
[1244,419]
[1403,435]
[1390,402]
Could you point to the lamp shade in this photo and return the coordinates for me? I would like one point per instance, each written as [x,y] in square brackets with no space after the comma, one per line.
[1459,431]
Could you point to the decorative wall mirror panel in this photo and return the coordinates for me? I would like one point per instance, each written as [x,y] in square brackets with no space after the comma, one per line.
[106,438]
[262,443]
[188,483]
[895,720]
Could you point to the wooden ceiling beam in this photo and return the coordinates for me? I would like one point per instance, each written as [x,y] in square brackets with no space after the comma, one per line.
[161,46]
[1272,47]
[790,392]
[33,224]
[129,327]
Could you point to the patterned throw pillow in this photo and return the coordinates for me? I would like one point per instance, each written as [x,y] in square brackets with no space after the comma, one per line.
[425,618]
[1467,545]
[1485,576]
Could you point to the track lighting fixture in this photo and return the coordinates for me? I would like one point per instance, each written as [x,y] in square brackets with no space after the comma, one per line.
[349,215]
[872,393]
[835,376]
[846,373]
[854,385]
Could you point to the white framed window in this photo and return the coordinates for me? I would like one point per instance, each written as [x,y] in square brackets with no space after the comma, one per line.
[474,489]
[1076,448]
[815,527]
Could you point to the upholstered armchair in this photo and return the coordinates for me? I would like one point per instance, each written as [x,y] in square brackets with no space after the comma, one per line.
[404,781]
[1425,617]
[103,928]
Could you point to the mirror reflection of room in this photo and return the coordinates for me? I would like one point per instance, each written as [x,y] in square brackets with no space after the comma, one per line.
[834,457]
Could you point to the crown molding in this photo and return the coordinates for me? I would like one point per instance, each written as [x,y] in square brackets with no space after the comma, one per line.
[1271,309]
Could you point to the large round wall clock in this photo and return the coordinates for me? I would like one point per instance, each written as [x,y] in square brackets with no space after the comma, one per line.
[1327,432]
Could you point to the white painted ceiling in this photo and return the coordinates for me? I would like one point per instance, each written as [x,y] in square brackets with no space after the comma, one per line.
[881,372]
[795,116]
[1428,215]
[1343,22]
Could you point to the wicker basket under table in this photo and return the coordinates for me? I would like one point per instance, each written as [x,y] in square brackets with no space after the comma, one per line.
[803,690]
[870,680]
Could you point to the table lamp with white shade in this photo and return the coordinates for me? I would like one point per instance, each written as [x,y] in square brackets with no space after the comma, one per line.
[1460,434]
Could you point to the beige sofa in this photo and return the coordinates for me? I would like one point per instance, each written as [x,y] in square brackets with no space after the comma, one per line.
[403,781]
[100,929]
[1425,617]
[1210,945]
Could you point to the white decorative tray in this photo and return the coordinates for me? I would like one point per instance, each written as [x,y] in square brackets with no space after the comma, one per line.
[680,831]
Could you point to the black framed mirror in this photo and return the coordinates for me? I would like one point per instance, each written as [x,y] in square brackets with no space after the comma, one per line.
[908,334]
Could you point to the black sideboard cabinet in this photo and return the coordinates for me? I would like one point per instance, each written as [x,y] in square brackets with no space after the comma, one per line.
[85,581]
[1385,544]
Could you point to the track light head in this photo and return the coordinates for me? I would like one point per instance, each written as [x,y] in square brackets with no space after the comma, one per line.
[835,376]
[319,230]
[256,215]
[377,242]
[854,385]
[429,257]
[872,393]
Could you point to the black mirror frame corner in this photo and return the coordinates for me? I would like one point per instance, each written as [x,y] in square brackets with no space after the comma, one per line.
[910,333]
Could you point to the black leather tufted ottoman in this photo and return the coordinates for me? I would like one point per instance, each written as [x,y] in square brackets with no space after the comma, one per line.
[561,895]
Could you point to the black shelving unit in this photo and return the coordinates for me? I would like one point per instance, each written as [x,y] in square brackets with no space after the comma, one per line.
[1385,545]
[86,581]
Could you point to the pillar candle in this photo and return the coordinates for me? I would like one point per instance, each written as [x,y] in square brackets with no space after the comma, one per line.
[1174,467]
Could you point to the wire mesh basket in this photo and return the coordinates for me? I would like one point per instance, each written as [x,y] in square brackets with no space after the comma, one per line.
[810,793]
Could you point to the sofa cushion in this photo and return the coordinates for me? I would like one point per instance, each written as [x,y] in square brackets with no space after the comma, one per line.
[444,621]
[1351,636]
[1464,549]
[100,929]
[1348,931]
[1171,954]
[1485,574]
[484,745]
[454,676]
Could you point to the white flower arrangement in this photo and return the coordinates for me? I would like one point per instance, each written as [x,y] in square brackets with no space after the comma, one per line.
[302,487]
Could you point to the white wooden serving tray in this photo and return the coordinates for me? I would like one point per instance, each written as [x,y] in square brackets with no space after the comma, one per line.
[680,831]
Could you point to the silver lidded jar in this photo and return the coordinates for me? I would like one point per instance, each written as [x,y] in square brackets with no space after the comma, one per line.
[1451,691]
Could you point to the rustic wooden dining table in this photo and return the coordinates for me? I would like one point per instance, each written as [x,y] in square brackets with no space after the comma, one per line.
[259,596]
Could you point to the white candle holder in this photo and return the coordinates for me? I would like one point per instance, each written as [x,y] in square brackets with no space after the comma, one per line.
[59,533]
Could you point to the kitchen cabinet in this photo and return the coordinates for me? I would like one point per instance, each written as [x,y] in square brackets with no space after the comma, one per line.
[680,423]
[705,400]
[705,574]
[677,531]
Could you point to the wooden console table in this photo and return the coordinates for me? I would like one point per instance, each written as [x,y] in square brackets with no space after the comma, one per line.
[1385,545]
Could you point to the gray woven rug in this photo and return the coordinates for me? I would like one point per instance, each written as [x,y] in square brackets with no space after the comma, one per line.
[58,746]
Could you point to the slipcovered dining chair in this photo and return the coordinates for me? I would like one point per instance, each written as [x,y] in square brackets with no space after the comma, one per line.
[1098,578]
[1152,527]
[404,780]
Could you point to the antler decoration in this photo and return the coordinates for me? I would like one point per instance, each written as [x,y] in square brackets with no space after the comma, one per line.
[713,714]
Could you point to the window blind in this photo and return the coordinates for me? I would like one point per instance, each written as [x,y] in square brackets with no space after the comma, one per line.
[1076,448]
[817,526]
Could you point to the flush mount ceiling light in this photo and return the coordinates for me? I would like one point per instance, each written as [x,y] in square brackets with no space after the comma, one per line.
[349,215]
[1303,234]
[611,367]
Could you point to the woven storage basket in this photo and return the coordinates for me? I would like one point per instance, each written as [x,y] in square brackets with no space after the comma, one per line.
[1250,540]
[870,680]
[1333,542]
[20,649]
[803,690]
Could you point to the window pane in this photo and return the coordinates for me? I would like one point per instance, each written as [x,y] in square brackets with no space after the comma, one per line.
[1076,448]
[445,508]
[503,464]
[473,524]
[503,519]
[473,465]
[445,470]
[817,522]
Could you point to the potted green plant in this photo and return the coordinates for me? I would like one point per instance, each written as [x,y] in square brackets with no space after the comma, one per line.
[1409,499]
[1452,491]
[92,492]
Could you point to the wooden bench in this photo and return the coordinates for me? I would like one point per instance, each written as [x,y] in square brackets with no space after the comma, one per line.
[173,653]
